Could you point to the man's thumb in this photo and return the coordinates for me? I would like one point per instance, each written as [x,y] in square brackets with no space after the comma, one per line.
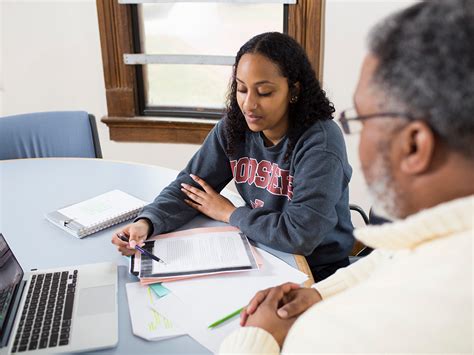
[282,313]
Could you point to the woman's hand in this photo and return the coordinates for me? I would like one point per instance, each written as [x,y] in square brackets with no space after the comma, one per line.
[208,202]
[136,234]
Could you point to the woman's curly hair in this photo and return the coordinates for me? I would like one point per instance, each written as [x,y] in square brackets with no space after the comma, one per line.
[290,57]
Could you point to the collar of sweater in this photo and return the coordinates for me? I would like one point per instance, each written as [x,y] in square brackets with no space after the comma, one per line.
[445,219]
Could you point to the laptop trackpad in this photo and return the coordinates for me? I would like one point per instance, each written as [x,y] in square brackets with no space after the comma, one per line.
[96,300]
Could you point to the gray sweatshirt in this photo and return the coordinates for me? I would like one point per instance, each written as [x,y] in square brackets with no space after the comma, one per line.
[298,206]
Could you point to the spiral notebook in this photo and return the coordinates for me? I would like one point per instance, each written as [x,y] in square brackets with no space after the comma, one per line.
[97,213]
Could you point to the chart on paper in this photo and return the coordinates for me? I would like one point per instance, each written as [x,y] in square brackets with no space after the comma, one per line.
[147,323]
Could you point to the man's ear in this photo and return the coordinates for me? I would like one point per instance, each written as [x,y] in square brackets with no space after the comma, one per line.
[417,142]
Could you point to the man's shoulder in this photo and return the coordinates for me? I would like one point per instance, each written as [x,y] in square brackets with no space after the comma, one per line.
[424,291]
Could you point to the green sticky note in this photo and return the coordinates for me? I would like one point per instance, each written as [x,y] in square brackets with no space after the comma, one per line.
[159,290]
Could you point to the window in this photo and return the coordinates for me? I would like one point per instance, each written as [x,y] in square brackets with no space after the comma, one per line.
[174,85]
[156,85]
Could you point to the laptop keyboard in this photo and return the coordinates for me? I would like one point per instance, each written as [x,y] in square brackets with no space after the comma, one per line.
[46,318]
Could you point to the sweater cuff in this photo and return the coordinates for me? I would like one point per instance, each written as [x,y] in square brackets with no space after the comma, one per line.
[330,286]
[237,216]
[150,225]
[157,226]
[250,340]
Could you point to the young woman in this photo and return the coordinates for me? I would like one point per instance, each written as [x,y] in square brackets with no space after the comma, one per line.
[286,155]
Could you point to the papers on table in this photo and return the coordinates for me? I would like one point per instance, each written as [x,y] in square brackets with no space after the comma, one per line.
[147,323]
[196,303]
[209,252]
[195,252]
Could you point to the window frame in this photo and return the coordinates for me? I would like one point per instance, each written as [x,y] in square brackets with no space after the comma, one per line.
[119,34]
[174,111]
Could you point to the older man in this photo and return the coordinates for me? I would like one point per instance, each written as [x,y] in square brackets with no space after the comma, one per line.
[414,106]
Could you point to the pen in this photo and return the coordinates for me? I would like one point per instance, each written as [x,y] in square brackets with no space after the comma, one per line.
[226,318]
[141,250]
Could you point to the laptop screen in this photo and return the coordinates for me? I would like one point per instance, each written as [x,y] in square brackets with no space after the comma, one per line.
[11,275]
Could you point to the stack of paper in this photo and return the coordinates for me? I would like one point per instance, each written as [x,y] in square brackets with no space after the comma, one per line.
[195,303]
[195,252]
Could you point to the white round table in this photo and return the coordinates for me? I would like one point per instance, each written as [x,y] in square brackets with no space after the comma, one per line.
[30,188]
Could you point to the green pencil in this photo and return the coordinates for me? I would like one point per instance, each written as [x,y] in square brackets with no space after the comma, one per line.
[222,320]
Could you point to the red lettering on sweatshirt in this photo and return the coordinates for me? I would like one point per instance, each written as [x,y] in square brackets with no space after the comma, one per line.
[274,187]
[257,203]
[252,171]
[264,175]
[233,163]
[241,170]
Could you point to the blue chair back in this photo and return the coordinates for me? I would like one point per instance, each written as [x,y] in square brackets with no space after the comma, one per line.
[49,134]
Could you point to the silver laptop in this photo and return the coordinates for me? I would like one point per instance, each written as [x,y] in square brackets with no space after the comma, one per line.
[65,309]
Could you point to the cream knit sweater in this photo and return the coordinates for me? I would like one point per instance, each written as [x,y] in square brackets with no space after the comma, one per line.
[413,294]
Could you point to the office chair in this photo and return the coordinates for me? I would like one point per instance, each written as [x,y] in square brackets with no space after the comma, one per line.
[358,247]
[360,250]
[374,218]
[49,134]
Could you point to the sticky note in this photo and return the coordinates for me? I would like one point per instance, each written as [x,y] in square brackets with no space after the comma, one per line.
[159,290]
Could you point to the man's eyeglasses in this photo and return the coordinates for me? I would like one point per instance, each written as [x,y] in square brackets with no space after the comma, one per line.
[352,123]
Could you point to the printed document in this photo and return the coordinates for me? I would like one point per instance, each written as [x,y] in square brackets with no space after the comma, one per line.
[201,252]
[196,253]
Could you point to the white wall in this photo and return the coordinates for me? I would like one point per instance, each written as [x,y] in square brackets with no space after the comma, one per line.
[50,56]
[347,25]
[52,61]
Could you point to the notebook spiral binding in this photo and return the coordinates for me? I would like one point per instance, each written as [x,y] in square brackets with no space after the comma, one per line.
[119,218]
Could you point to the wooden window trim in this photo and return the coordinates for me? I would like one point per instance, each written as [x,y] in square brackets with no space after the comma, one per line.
[116,38]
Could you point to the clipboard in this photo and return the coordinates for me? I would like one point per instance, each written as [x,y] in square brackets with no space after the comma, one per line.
[142,266]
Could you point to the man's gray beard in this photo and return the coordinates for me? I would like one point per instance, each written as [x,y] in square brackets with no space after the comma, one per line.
[382,190]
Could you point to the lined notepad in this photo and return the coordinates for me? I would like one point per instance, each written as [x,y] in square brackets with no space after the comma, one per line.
[97,213]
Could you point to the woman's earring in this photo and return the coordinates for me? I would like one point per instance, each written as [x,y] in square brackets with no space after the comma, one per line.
[294,99]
